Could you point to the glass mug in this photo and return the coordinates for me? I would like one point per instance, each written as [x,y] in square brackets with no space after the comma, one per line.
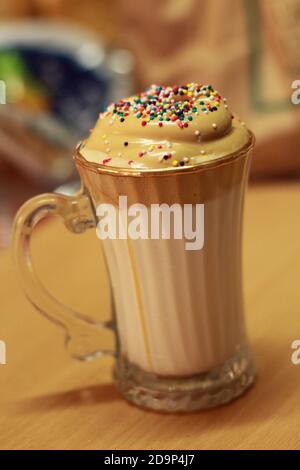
[177,314]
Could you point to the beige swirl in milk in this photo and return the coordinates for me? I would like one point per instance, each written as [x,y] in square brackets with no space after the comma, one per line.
[165,126]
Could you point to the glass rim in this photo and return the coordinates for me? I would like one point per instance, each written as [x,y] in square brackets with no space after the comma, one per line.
[145,172]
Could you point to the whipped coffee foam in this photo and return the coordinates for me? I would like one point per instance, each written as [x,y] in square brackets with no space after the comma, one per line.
[165,126]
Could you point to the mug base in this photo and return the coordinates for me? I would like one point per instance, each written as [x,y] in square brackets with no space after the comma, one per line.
[167,394]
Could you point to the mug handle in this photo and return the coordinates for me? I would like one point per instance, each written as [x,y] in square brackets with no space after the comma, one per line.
[83,335]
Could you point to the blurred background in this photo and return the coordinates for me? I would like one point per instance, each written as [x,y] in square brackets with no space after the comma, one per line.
[63,61]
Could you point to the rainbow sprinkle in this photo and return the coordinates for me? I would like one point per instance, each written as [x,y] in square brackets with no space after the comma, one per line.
[171,103]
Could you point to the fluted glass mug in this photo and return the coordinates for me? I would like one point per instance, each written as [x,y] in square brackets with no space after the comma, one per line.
[177,314]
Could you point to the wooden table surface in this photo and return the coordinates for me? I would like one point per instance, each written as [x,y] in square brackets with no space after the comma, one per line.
[49,401]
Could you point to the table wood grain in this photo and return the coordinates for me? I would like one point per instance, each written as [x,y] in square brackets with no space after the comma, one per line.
[49,401]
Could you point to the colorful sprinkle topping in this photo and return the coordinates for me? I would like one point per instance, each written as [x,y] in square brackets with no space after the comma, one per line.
[163,104]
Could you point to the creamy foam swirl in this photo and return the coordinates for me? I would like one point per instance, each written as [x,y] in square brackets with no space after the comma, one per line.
[165,126]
